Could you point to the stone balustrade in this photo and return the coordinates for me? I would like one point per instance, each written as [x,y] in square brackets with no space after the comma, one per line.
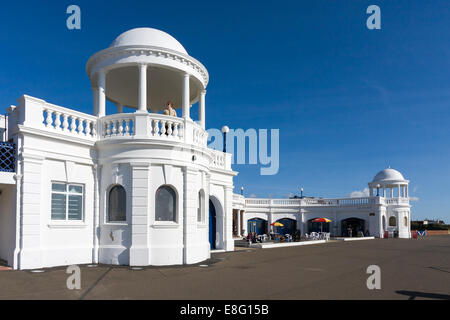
[33,113]
[220,160]
[308,202]
[36,114]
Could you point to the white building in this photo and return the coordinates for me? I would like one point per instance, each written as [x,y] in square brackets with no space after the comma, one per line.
[141,188]
[386,208]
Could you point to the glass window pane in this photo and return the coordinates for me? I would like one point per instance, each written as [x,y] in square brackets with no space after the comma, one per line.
[58,206]
[117,204]
[165,204]
[75,189]
[75,207]
[59,187]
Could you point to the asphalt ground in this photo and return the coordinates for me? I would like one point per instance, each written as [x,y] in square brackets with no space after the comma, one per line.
[409,269]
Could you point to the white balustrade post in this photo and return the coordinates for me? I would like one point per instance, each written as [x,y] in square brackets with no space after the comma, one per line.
[80,126]
[142,103]
[186,96]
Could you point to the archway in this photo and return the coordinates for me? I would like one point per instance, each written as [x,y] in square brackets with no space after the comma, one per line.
[216,224]
[289,226]
[212,225]
[351,226]
[257,225]
[318,226]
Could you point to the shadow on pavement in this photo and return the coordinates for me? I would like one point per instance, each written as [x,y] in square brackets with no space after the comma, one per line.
[416,294]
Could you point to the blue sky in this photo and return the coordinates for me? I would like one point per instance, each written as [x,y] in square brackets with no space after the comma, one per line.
[348,101]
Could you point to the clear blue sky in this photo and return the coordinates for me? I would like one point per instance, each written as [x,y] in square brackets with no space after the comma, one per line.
[348,101]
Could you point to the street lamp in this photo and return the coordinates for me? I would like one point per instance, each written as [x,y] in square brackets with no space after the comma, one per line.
[301,192]
[242,191]
[225,130]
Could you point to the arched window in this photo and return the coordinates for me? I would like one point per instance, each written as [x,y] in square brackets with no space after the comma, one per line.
[392,221]
[201,206]
[405,221]
[166,204]
[117,204]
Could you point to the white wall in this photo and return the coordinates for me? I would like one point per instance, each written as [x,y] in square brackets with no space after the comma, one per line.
[3,128]
[66,242]
[7,223]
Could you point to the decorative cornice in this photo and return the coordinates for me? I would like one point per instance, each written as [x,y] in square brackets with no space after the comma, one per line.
[148,51]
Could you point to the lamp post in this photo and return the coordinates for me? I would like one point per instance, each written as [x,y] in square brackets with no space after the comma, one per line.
[242,191]
[301,192]
[225,130]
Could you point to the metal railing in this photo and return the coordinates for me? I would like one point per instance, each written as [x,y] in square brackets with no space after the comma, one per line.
[7,157]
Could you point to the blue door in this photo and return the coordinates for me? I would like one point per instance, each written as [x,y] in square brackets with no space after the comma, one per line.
[256,225]
[212,225]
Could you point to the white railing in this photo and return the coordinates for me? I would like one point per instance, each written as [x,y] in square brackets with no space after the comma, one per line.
[238,200]
[342,202]
[33,113]
[127,124]
[286,202]
[200,136]
[217,159]
[152,126]
[257,201]
[68,121]
[37,114]
[394,201]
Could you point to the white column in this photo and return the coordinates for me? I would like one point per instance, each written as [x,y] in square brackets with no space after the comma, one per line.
[384,192]
[241,222]
[95,100]
[406,192]
[399,191]
[186,97]
[142,99]
[392,192]
[201,109]
[101,93]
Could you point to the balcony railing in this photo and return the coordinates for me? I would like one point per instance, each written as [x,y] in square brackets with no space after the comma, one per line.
[33,113]
[38,116]
[343,202]
[7,157]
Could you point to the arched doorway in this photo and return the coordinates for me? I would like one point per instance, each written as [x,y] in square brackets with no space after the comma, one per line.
[257,225]
[289,226]
[212,225]
[351,227]
[318,226]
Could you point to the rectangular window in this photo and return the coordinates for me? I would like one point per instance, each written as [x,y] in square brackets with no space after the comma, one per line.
[67,201]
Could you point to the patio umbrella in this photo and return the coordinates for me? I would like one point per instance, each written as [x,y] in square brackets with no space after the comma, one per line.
[277,224]
[321,220]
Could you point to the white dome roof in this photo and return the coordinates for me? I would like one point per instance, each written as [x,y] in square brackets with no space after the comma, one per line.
[148,37]
[388,174]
